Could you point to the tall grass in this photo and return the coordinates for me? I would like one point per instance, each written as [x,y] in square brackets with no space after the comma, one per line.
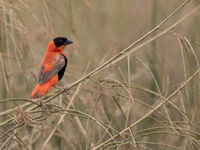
[133,74]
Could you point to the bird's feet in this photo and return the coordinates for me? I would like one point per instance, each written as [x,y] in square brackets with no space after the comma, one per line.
[43,106]
[65,88]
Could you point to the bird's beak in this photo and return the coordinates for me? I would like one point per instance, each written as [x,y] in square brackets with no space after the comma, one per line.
[68,42]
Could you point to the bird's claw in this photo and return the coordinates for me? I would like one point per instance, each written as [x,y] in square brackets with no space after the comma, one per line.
[65,88]
[67,91]
[43,106]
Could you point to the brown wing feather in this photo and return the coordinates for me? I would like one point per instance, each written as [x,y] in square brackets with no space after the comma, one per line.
[44,77]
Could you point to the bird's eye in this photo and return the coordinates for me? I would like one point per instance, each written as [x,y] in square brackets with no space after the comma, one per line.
[58,41]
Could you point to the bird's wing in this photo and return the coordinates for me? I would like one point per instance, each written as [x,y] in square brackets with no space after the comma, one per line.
[50,67]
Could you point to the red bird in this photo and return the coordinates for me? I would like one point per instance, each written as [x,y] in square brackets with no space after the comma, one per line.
[52,67]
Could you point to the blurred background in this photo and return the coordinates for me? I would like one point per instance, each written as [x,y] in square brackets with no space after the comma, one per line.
[115,97]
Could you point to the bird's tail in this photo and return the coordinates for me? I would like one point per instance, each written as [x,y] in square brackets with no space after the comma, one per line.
[40,90]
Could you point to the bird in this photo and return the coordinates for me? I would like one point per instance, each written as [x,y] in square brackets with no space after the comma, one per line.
[52,67]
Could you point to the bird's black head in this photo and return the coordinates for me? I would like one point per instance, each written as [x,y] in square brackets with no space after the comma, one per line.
[59,41]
